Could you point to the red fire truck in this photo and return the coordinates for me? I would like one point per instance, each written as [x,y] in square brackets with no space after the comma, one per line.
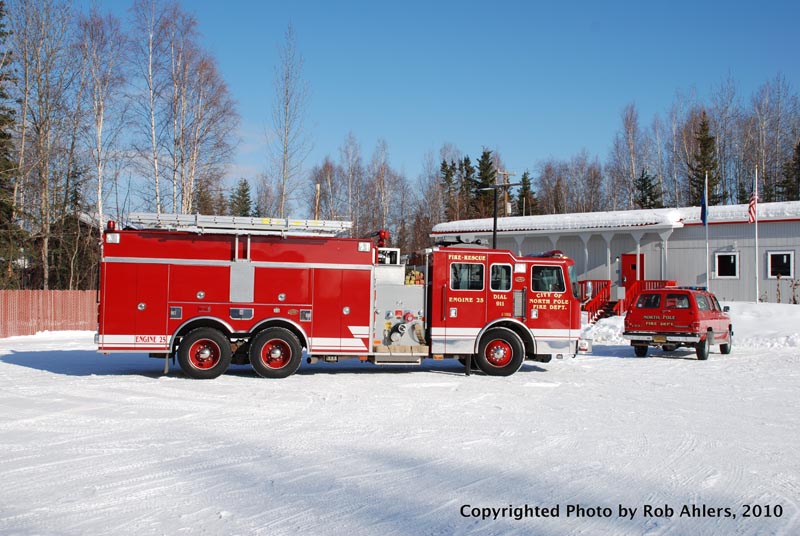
[213,291]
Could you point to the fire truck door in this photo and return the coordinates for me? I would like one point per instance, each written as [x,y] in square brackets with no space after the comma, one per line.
[341,321]
[135,312]
[152,281]
[465,306]
[501,300]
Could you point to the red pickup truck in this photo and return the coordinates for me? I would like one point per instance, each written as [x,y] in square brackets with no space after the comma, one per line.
[672,317]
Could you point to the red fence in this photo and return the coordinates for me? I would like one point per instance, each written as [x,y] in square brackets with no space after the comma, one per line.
[24,312]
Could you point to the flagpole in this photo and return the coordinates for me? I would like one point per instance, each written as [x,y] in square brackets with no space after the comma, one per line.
[705,196]
[755,194]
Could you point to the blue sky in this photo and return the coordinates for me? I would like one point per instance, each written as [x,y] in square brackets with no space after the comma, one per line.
[530,79]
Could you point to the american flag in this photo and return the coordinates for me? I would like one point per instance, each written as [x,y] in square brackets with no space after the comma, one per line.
[751,208]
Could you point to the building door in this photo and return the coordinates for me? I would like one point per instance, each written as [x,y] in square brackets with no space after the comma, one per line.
[628,269]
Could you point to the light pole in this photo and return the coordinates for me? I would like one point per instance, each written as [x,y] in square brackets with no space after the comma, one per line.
[495,188]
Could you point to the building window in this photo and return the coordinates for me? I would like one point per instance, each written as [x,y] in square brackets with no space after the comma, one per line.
[727,265]
[466,276]
[780,263]
[501,277]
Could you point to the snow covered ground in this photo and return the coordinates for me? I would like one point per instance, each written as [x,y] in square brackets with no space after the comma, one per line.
[93,444]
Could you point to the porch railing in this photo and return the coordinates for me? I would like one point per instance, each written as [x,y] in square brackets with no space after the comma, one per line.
[597,298]
[632,292]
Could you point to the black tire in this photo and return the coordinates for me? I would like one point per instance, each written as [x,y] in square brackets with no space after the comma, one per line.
[640,350]
[204,353]
[275,353]
[702,348]
[725,348]
[500,353]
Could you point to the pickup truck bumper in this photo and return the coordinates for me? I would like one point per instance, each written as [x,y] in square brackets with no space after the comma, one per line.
[661,338]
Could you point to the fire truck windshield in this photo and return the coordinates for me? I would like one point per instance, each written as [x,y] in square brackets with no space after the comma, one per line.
[573,278]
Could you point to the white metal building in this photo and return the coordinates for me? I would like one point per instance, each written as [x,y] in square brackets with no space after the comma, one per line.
[670,244]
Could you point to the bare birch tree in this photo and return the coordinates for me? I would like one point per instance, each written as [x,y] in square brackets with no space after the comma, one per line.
[379,177]
[352,170]
[184,107]
[290,146]
[102,44]
[723,112]
[42,50]
[148,53]
[324,189]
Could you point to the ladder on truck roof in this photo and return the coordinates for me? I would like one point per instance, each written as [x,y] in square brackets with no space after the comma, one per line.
[240,224]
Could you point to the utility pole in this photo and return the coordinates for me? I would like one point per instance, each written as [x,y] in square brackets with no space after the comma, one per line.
[496,187]
[505,185]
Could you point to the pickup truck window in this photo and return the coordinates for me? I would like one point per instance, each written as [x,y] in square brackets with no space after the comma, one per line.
[677,301]
[702,303]
[649,301]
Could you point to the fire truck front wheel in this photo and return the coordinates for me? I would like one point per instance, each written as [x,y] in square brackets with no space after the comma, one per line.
[204,353]
[501,352]
[275,353]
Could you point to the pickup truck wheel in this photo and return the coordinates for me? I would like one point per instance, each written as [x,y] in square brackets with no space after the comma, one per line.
[725,348]
[501,352]
[702,347]
[275,353]
[640,350]
[204,353]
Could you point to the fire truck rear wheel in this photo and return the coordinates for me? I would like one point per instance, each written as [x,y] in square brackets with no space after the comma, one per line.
[275,353]
[204,353]
[501,352]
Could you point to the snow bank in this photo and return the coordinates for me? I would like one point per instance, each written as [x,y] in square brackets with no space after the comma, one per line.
[755,325]
[93,444]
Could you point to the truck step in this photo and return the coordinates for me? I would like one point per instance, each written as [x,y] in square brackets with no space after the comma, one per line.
[395,359]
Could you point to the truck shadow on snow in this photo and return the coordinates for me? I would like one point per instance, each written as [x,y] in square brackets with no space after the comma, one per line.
[88,363]
[449,367]
[84,363]
[622,351]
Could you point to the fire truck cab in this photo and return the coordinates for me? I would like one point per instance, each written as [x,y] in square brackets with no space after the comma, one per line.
[213,291]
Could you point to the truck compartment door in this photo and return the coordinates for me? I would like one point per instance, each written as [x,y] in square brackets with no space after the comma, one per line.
[341,311]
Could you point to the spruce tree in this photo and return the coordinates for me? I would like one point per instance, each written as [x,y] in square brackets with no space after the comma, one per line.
[11,236]
[791,176]
[487,177]
[704,160]
[526,200]
[203,199]
[448,177]
[241,204]
[466,181]
[647,193]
